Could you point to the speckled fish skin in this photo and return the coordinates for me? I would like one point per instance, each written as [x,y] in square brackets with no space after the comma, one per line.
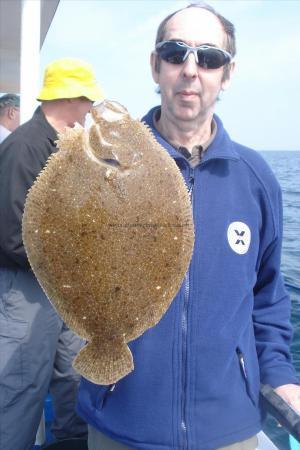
[108,231]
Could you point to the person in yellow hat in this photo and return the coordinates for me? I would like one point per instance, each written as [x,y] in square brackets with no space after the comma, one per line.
[36,347]
[68,92]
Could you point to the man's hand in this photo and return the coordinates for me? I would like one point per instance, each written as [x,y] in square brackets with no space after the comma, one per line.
[291,394]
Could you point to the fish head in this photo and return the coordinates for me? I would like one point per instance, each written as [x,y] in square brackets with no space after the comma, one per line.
[110,137]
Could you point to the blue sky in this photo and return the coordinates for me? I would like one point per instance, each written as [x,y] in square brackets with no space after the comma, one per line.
[261,107]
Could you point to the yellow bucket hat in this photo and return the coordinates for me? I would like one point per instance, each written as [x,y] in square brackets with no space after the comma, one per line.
[69,78]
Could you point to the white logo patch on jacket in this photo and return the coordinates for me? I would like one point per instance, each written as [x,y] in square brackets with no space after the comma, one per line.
[239,237]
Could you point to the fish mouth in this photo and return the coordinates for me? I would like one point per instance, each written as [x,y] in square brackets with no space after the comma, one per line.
[109,111]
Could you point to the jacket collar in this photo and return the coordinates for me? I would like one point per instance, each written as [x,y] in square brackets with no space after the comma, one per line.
[40,118]
[220,148]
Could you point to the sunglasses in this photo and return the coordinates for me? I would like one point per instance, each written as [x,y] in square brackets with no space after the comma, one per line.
[206,56]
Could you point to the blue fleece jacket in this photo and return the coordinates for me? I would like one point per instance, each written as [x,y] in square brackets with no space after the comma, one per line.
[197,373]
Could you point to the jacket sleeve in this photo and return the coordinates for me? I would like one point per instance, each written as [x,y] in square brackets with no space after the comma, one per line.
[272,305]
[19,168]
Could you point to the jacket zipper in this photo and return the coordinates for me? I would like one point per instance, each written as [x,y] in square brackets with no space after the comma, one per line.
[108,392]
[250,392]
[184,327]
[242,362]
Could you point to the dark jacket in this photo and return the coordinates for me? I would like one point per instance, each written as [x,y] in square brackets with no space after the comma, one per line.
[197,373]
[22,156]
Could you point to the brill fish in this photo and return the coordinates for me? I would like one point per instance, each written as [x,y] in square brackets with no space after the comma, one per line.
[108,232]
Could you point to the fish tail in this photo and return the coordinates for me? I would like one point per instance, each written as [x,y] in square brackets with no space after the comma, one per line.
[104,363]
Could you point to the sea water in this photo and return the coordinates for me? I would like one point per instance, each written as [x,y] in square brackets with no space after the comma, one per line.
[286,166]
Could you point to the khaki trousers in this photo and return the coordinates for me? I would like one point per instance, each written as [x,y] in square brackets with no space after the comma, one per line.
[98,441]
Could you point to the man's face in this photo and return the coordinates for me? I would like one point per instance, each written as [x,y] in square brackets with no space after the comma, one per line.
[189,92]
[79,107]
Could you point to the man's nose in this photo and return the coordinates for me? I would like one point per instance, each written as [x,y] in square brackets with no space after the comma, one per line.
[190,67]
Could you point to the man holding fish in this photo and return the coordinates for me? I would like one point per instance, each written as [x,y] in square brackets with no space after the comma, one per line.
[198,372]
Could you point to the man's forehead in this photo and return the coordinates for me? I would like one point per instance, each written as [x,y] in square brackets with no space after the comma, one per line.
[196,25]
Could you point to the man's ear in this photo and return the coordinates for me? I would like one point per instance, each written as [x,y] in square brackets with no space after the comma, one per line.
[227,81]
[154,66]
[11,112]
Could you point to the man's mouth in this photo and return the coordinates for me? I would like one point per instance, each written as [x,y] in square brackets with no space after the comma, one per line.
[187,93]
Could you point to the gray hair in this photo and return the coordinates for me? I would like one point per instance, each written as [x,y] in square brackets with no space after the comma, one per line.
[230,44]
[9,100]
